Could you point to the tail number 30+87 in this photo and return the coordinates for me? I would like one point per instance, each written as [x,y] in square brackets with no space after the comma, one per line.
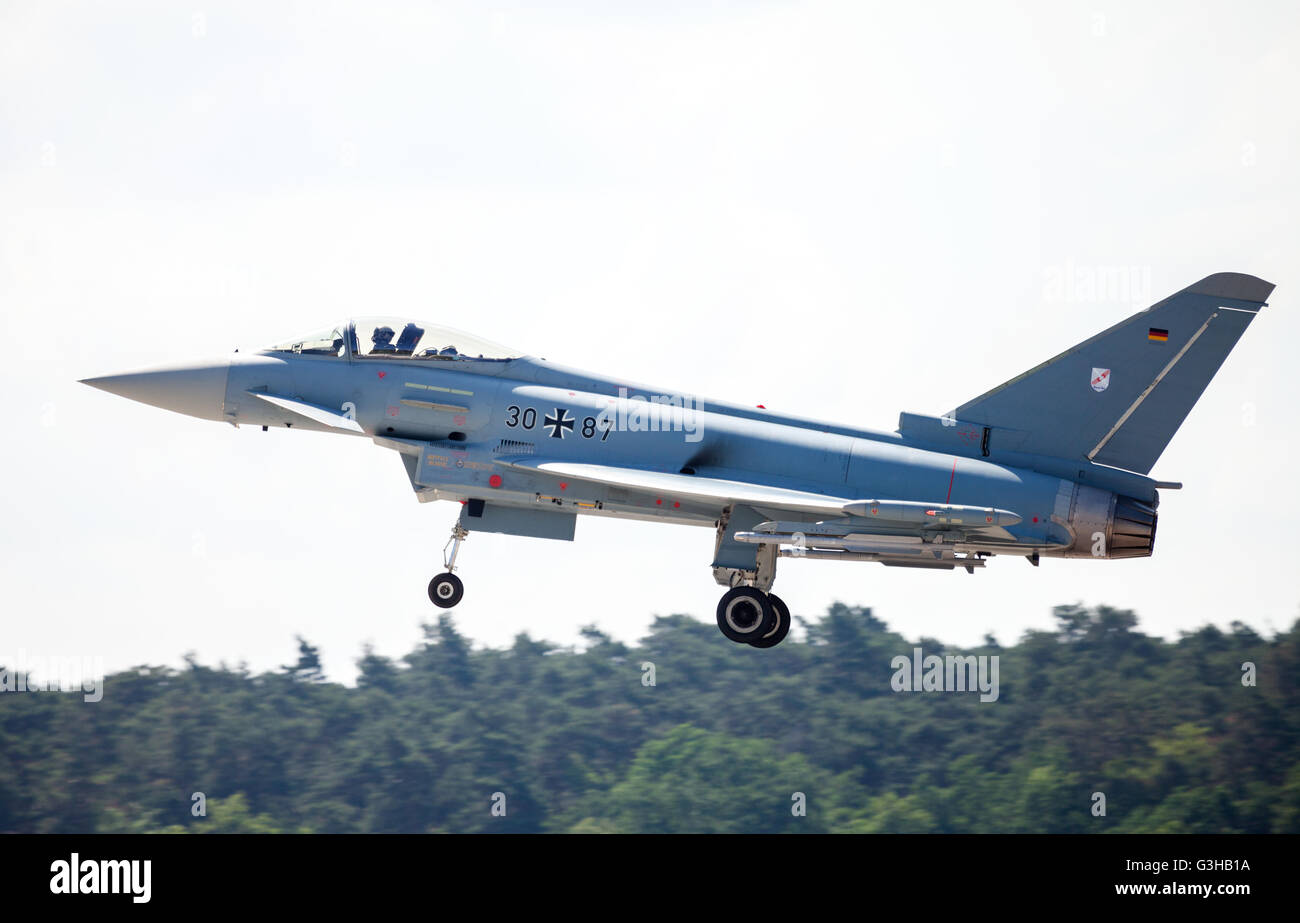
[558,423]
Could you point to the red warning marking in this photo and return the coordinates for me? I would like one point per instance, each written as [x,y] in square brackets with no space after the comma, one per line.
[563,485]
[762,406]
[494,481]
[952,477]
[659,502]
[1035,519]
[382,374]
[676,504]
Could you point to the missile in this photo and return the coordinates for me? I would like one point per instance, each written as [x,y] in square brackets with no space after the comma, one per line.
[928,515]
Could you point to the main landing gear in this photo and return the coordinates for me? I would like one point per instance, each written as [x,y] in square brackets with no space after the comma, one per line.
[747,612]
[747,615]
[446,589]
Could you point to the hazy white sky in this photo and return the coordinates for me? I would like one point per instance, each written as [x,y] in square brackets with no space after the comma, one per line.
[837,210]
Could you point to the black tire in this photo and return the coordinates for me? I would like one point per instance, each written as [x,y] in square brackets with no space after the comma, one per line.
[744,614]
[777,634]
[445,590]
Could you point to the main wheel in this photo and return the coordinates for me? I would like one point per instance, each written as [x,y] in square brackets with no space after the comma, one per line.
[744,614]
[446,590]
[777,634]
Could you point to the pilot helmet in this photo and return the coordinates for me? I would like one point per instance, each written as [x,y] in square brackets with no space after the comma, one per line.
[382,335]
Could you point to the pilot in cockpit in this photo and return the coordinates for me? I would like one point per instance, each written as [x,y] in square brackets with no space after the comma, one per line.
[383,340]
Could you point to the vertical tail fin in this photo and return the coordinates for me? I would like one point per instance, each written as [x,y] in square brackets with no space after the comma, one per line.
[1119,397]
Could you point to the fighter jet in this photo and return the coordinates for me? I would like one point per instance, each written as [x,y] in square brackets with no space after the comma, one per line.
[1053,463]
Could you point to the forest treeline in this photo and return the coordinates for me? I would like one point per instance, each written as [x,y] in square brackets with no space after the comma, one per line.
[682,732]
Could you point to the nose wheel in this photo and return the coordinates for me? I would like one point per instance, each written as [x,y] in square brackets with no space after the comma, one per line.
[747,615]
[446,589]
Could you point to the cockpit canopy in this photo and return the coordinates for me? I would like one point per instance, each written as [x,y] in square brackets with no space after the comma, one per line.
[395,338]
[322,343]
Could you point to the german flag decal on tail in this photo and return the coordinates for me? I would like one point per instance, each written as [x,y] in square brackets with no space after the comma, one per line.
[1155,333]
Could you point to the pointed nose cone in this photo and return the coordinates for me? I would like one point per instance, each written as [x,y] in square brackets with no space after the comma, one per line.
[197,389]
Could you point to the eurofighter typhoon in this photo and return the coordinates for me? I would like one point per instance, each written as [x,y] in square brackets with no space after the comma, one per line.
[1053,463]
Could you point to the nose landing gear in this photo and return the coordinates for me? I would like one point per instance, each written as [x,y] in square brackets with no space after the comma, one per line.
[446,589]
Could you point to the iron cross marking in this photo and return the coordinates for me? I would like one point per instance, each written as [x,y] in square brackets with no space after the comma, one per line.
[558,422]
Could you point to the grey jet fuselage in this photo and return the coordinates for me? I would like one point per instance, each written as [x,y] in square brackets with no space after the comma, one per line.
[1054,463]
[662,431]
